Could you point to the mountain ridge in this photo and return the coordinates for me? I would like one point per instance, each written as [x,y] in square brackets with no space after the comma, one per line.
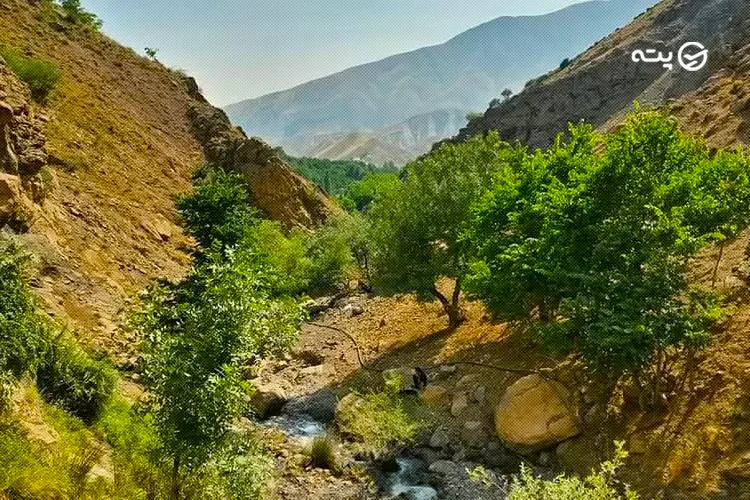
[464,72]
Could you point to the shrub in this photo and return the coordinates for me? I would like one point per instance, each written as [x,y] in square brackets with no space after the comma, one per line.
[240,469]
[336,251]
[565,63]
[23,333]
[140,470]
[218,212]
[70,378]
[599,485]
[382,422]
[80,17]
[41,76]
[321,453]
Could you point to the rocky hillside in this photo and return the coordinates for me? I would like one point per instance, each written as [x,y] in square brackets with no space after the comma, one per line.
[90,178]
[465,72]
[600,85]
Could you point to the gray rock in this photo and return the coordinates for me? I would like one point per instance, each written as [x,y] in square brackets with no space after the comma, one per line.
[460,404]
[440,438]
[321,406]
[474,434]
[444,467]
[479,395]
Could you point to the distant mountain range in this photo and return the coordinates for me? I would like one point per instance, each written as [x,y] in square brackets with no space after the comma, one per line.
[393,109]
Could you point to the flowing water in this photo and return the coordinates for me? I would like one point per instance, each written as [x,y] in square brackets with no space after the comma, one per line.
[404,479]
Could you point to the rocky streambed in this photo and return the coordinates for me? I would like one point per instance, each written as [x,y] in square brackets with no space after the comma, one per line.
[462,457]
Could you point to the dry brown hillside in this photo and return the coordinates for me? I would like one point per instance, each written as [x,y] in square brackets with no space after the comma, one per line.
[122,137]
[600,85]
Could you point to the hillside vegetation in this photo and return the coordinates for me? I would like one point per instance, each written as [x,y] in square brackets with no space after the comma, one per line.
[157,267]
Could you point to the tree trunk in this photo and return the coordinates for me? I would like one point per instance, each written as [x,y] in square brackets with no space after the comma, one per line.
[451,307]
[716,267]
[176,478]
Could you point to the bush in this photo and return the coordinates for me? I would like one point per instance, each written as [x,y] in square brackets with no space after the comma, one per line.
[218,212]
[565,63]
[140,469]
[337,252]
[382,422]
[239,470]
[73,380]
[24,334]
[321,453]
[80,17]
[599,485]
[41,76]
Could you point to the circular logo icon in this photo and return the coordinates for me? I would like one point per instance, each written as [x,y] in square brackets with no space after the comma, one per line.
[693,56]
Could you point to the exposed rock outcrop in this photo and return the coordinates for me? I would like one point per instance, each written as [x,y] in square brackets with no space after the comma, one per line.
[536,413]
[600,85]
[22,142]
[280,192]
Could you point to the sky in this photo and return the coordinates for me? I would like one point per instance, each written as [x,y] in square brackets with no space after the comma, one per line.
[241,49]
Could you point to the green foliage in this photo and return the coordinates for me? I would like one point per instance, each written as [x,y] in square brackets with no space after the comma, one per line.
[23,332]
[78,16]
[31,469]
[600,485]
[360,195]
[137,450]
[595,235]
[335,176]
[565,63]
[72,379]
[240,469]
[218,211]
[321,453]
[381,422]
[197,334]
[417,227]
[41,76]
[231,311]
[338,251]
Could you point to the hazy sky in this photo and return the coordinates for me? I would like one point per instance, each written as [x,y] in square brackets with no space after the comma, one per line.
[238,49]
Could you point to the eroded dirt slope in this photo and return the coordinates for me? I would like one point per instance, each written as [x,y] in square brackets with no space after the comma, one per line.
[113,148]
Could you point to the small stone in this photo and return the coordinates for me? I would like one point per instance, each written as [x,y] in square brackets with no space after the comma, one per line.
[460,404]
[313,370]
[479,395]
[435,395]
[468,381]
[443,467]
[440,438]
[473,434]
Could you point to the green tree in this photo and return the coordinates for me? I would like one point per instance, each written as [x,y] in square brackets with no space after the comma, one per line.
[595,236]
[417,227]
[360,195]
[230,312]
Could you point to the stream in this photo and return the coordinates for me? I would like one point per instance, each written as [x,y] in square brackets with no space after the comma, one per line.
[402,478]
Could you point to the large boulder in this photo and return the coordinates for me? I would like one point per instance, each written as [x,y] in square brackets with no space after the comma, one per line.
[321,406]
[536,413]
[268,400]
